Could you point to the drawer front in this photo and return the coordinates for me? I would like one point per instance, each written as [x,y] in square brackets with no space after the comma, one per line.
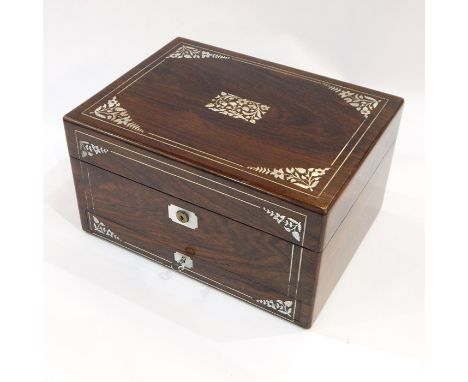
[226,198]
[250,264]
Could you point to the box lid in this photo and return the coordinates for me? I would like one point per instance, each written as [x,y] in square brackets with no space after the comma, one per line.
[289,133]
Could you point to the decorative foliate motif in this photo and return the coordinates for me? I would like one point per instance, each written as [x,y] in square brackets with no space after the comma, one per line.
[284,307]
[237,107]
[100,227]
[361,102]
[90,149]
[112,111]
[307,178]
[289,224]
[189,52]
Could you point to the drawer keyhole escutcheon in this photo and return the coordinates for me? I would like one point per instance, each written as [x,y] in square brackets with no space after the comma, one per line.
[182,216]
[183,261]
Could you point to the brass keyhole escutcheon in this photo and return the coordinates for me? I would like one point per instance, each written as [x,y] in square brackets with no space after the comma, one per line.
[182,216]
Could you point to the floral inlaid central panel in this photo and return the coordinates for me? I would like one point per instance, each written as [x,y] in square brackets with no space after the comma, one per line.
[237,107]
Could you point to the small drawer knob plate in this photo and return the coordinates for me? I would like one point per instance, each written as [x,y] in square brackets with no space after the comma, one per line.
[183,261]
[182,216]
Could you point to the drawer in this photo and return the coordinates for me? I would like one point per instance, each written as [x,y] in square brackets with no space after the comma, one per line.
[250,264]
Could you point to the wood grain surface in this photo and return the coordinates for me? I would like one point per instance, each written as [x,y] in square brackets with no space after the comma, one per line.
[284,169]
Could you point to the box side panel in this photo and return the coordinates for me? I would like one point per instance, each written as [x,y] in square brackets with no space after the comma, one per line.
[349,235]
[222,196]
[358,182]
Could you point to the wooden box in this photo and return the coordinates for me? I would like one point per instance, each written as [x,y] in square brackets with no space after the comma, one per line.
[254,178]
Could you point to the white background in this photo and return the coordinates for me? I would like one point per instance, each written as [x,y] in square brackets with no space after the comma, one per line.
[140,350]
[113,316]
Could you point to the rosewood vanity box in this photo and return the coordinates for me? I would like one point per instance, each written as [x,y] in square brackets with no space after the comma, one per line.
[254,178]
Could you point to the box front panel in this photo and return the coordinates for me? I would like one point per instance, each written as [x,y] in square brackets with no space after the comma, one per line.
[252,265]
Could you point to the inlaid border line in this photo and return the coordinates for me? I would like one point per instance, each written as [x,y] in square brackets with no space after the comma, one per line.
[284,71]
[308,78]
[241,166]
[180,177]
[359,140]
[239,297]
[144,250]
[83,179]
[186,274]
[297,284]
[128,79]
[197,175]
[311,79]
[130,249]
[224,164]
[149,70]
[273,68]
[189,151]
[305,216]
[217,282]
[193,148]
[90,189]
[81,169]
[123,83]
[347,143]
[84,125]
[290,268]
[89,221]
[202,186]
[173,145]
[160,257]
[188,180]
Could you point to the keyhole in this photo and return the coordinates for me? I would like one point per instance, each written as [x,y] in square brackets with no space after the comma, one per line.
[182,216]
